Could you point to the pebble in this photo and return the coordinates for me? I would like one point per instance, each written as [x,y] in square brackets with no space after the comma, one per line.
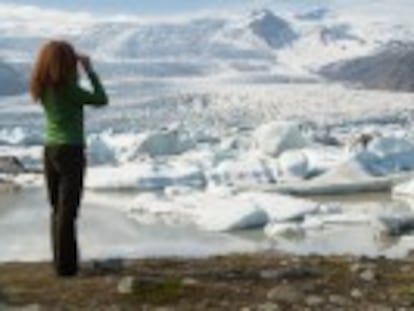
[354,267]
[32,307]
[284,293]
[268,306]
[189,282]
[126,285]
[367,275]
[356,293]
[338,300]
[289,273]
[378,308]
[406,269]
[314,300]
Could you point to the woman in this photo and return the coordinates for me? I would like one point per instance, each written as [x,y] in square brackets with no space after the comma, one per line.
[54,83]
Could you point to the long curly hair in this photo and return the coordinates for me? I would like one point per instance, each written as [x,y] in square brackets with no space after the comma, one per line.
[56,63]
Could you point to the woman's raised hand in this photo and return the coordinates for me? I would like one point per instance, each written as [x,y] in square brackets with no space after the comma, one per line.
[85,61]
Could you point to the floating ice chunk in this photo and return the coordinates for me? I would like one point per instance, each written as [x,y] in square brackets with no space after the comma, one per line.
[406,188]
[341,219]
[224,211]
[351,170]
[144,176]
[397,224]
[124,145]
[332,208]
[179,190]
[293,164]
[281,208]
[205,210]
[128,147]
[386,146]
[150,208]
[161,143]
[283,228]
[312,223]
[227,214]
[275,137]
[323,158]
[99,152]
[10,165]
[250,171]
[387,155]
[28,180]
[20,136]
[29,156]
[222,191]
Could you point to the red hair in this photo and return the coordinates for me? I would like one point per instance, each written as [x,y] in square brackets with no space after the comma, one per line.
[56,63]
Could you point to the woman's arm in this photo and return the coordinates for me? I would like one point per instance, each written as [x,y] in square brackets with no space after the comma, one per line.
[98,95]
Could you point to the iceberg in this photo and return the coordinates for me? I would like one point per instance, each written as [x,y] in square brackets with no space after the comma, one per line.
[221,211]
[294,165]
[243,172]
[397,223]
[144,176]
[276,137]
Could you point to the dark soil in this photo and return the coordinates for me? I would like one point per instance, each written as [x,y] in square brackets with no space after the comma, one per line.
[239,282]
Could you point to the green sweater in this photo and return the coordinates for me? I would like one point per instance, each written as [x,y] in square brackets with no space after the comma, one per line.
[64,110]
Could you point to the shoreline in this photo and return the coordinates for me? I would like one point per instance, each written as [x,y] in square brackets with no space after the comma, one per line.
[263,281]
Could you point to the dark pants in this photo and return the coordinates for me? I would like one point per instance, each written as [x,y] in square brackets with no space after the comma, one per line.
[64,167]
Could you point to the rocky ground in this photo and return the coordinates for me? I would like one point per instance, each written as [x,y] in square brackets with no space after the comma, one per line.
[262,282]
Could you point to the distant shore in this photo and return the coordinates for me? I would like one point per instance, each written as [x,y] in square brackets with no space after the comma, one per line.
[266,281]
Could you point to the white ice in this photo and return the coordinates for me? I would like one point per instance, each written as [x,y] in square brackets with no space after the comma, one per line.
[221,211]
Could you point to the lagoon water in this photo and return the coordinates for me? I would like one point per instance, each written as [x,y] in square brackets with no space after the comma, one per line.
[105,231]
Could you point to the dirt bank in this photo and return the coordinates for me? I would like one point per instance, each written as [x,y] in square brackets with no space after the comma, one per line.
[239,282]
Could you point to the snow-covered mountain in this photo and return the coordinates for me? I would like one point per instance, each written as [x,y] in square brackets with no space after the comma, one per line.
[259,44]
[390,69]
[314,14]
[273,30]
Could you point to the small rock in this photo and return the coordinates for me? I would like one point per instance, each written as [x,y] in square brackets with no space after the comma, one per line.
[356,293]
[284,293]
[126,285]
[355,267]
[367,275]
[338,300]
[313,301]
[378,308]
[269,306]
[189,282]
[289,273]
[32,307]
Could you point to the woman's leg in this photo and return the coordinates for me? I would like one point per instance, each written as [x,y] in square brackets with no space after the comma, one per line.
[70,162]
[52,188]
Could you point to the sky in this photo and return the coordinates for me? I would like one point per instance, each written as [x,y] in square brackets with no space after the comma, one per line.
[398,8]
[163,7]
[149,7]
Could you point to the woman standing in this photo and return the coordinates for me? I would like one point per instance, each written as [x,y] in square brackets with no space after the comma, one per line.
[54,82]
